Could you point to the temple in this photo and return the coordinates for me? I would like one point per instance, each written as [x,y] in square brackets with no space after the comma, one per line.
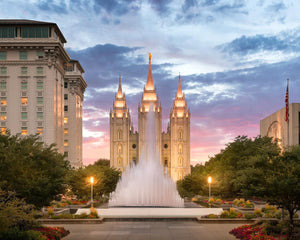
[173,145]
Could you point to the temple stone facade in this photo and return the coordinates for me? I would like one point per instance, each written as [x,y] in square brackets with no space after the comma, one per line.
[173,145]
[276,126]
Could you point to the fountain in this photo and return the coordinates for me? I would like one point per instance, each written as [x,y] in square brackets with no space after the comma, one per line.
[145,183]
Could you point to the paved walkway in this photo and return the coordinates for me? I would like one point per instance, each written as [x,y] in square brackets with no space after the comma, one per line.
[165,230]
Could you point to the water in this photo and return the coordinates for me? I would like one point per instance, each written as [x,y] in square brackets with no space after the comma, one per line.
[145,184]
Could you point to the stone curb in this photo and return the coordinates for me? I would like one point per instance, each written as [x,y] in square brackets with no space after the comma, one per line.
[70,221]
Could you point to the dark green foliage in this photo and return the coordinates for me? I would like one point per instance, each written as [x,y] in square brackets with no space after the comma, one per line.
[240,159]
[193,183]
[16,217]
[105,180]
[36,172]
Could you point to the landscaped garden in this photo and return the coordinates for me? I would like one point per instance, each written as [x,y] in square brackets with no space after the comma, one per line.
[33,176]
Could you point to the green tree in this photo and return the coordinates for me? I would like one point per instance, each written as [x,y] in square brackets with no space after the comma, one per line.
[105,179]
[35,171]
[193,183]
[279,181]
[231,167]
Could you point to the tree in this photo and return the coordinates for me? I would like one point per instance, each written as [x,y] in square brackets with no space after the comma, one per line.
[279,182]
[193,183]
[231,167]
[105,178]
[35,171]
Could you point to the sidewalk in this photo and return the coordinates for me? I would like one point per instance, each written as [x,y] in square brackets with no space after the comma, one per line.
[150,231]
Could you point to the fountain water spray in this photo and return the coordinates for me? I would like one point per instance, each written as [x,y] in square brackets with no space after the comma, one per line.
[145,184]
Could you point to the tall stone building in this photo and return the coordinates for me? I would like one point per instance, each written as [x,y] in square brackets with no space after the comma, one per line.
[276,126]
[41,88]
[173,146]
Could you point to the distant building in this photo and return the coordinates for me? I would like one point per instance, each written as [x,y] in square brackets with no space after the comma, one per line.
[275,126]
[41,88]
[173,146]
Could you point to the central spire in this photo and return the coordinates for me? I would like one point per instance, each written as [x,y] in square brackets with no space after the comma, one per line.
[120,93]
[179,91]
[150,85]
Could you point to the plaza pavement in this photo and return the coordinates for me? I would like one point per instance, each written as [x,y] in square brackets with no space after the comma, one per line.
[160,230]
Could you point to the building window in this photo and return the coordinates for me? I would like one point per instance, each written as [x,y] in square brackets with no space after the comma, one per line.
[2,85]
[39,100]
[3,70]
[119,149]
[24,85]
[35,32]
[166,162]
[66,154]
[7,32]
[2,55]
[23,55]
[66,131]
[66,120]
[3,101]
[39,130]
[166,146]
[65,84]
[24,115]
[134,146]
[3,116]
[39,70]
[23,70]
[180,160]
[39,115]
[66,96]
[3,130]
[24,100]
[69,67]
[180,135]
[40,54]
[119,161]
[180,148]
[39,85]
[66,143]
[24,131]
[119,134]
[65,108]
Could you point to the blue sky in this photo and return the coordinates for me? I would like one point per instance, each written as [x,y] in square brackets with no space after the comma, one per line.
[233,56]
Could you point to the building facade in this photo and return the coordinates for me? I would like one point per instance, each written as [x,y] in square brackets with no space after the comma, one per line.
[276,126]
[173,145]
[41,88]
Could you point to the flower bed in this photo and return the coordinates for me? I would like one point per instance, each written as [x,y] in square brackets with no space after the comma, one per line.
[241,203]
[52,233]
[253,232]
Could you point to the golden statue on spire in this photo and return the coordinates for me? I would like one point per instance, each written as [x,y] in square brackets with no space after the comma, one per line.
[150,57]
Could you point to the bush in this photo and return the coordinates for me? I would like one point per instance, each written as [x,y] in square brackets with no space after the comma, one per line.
[15,233]
[231,214]
[249,215]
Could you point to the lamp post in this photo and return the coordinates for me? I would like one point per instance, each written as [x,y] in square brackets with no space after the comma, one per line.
[209,182]
[92,181]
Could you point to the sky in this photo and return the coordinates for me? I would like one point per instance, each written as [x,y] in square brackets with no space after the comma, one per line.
[234,57]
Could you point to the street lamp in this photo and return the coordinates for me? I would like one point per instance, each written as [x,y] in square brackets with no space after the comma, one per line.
[209,182]
[92,181]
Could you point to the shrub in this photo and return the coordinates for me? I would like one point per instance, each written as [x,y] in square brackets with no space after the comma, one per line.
[93,213]
[212,216]
[258,212]
[249,215]
[15,233]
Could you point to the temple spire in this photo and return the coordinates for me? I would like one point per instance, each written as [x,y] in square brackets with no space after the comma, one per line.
[150,85]
[120,93]
[179,91]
